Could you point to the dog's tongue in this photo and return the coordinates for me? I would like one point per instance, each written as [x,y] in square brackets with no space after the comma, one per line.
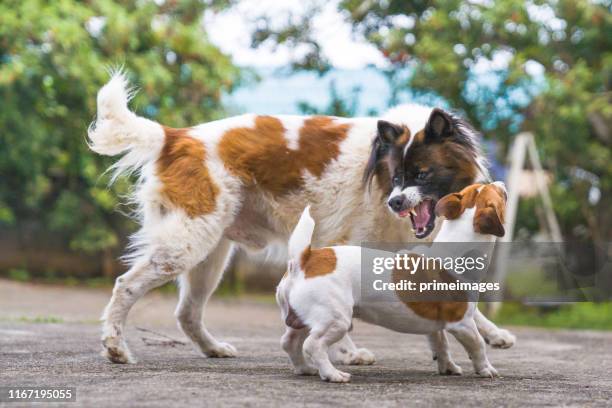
[423,214]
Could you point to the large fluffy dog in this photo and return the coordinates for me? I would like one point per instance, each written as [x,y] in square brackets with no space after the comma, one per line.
[245,180]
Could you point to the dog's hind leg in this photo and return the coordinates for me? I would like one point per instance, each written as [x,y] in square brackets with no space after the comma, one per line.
[316,347]
[292,342]
[346,352]
[167,249]
[467,334]
[129,287]
[196,286]
[493,335]
[438,342]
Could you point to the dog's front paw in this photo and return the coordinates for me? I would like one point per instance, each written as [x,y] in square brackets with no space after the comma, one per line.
[361,356]
[336,376]
[501,339]
[116,351]
[488,372]
[221,350]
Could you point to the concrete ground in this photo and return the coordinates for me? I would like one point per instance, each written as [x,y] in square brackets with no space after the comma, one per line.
[49,336]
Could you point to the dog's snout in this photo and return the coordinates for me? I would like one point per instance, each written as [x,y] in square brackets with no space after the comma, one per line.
[396,202]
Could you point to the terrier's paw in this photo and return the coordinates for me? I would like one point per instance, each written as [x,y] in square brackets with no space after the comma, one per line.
[221,350]
[361,356]
[449,368]
[501,339]
[336,376]
[488,372]
[116,351]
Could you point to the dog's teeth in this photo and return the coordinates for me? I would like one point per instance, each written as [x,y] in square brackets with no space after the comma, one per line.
[413,212]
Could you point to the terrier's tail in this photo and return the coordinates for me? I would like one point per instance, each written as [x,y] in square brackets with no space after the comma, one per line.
[301,237]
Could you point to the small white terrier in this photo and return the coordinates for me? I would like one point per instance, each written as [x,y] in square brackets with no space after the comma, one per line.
[322,291]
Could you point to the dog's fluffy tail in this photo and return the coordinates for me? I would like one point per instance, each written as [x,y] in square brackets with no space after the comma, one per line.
[117,130]
[301,237]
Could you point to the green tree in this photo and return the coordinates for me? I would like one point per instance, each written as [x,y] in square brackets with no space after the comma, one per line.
[337,106]
[54,56]
[508,65]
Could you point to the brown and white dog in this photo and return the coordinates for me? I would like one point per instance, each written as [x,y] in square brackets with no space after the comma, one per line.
[242,180]
[323,289]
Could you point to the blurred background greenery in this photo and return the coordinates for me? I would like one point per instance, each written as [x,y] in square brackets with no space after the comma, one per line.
[507,65]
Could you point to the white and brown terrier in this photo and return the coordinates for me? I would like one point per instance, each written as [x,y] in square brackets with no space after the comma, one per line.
[240,181]
[322,291]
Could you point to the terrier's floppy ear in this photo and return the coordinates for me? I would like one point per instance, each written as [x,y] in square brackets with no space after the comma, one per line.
[490,210]
[439,125]
[388,132]
[449,206]
[489,221]
[453,205]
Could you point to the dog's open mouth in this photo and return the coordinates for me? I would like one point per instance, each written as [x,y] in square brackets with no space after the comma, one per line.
[422,216]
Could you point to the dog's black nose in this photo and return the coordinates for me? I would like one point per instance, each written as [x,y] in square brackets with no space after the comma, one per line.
[396,203]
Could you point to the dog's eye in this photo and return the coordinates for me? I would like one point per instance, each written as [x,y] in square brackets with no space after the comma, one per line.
[397,179]
[421,175]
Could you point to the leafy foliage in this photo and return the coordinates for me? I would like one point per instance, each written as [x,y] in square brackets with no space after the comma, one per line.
[508,65]
[54,57]
[338,105]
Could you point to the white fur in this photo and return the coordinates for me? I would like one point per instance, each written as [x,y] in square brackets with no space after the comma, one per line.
[292,125]
[302,235]
[412,195]
[325,304]
[117,130]
[170,244]
[411,115]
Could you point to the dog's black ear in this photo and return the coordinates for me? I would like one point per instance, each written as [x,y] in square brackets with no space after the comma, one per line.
[387,135]
[439,126]
[388,132]
[377,151]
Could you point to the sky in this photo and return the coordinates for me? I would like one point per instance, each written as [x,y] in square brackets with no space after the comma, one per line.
[354,60]
[281,94]
[329,27]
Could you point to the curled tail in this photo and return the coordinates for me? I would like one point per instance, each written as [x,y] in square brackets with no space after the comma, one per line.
[117,130]
[301,237]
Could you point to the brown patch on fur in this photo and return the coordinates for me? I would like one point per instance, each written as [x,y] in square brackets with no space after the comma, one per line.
[447,311]
[404,137]
[259,156]
[181,169]
[449,206]
[452,205]
[419,137]
[490,211]
[469,195]
[318,262]
[490,203]
[445,157]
